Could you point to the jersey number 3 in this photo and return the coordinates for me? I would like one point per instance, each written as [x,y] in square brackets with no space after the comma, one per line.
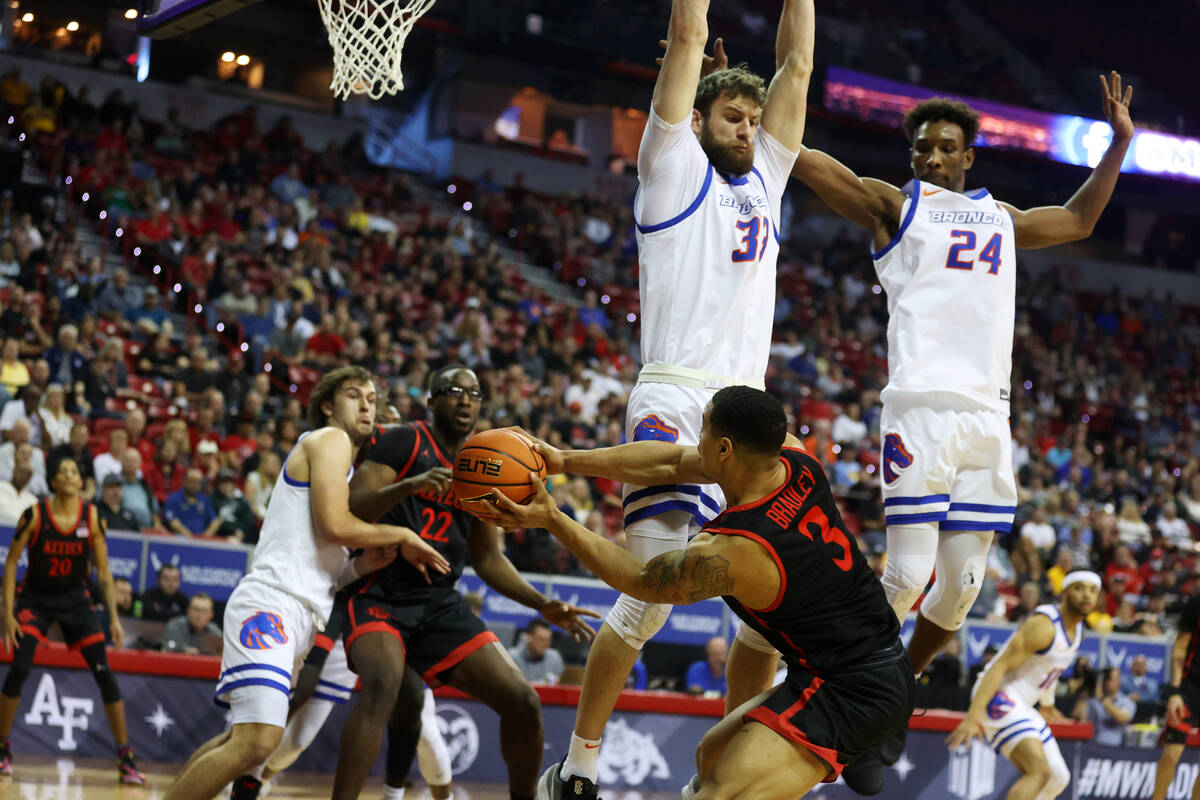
[752,249]
[960,255]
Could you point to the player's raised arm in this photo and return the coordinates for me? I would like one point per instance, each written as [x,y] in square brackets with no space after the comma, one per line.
[1035,633]
[640,463]
[675,89]
[1050,225]
[787,96]
[869,203]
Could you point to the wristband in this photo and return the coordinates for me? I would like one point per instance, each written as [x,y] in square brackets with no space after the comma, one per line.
[1170,691]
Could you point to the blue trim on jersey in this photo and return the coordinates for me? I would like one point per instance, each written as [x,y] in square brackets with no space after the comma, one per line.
[333,685]
[681,488]
[917,501]
[1000,743]
[687,212]
[229,687]
[908,218]
[1001,731]
[292,481]
[655,509]
[267,667]
[341,701]
[774,229]
[734,180]
[978,194]
[983,508]
[1056,619]
[973,525]
[1049,735]
[910,519]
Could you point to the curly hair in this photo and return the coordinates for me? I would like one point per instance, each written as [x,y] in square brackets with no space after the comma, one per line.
[328,386]
[942,109]
[736,82]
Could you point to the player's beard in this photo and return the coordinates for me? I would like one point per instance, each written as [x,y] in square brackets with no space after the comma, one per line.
[726,157]
[1078,609]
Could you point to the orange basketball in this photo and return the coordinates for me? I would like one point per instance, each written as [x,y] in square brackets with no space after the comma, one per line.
[496,459]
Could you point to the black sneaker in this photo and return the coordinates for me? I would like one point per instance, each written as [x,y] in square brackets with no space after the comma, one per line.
[865,774]
[245,788]
[891,750]
[553,786]
[5,760]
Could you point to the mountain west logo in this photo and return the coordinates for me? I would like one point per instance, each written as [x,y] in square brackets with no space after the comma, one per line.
[461,735]
[971,774]
[653,429]
[262,631]
[895,457]
[68,713]
[630,756]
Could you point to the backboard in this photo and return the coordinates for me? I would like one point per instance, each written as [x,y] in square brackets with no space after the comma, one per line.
[162,19]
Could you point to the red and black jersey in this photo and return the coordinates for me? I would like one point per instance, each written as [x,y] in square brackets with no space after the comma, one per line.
[1189,622]
[831,611]
[60,558]
[440,519]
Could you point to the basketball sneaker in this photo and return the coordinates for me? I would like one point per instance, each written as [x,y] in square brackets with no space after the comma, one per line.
[553,786]
[5,759]
[127,769]
[246,787]
[691,789]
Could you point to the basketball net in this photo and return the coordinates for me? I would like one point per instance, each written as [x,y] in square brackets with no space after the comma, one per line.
[367,37]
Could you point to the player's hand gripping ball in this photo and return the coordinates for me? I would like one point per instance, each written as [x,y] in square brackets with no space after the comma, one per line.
[498,459]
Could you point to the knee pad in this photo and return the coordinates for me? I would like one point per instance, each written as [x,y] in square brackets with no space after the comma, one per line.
[954,593]
[97,661]
[1060,775]
[753,639]
[636,622]
[904,579]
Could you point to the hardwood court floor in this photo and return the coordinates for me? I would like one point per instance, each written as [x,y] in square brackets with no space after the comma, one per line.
[43,778]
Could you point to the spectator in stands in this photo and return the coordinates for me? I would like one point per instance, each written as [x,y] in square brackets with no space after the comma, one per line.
[123,596]
[707,676]
[234,382]
[1139,685]
[537,660]
[23,408]
[1110,710]
[946,668]
[114,515]
[1124,566]
[1172,528]
[261,482]
[148,318]
[194,632]
[164,601]
[117,297]
[15,494]
[1126,619]
[107,379]
[135,426]
[19,436]
[199,377]
[1132,529]
[847,470]
[1064,562]
[989,653]
[849,427]
[13,373]
[1030,598]
[157,360]
[55,422]
[207,459]
[1039,531]
[68,365]
[77,448]
[109,463]
[137,495]
[324,348]
[1027,564]
[237,519]
[188,512]
[289,342]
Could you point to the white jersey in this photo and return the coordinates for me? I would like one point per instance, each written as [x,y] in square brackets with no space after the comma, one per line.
[290,555]
[1036,678]
[950,277]
[707,249]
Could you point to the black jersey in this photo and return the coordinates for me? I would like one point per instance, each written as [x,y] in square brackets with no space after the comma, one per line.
[440,519]
[831,611]
[1189,622]
[60,558]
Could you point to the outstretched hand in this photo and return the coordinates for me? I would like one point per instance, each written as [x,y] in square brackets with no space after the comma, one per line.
[536,513]
[569,618]
[1116,105]
[718,59]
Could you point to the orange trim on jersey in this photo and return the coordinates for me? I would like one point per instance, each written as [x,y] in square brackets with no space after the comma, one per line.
[793,734]
[413,457]
[805,696]
[373,627]
[774,555]
[760,501]
[71,530]
[322,642]
[35,632]
[437,451]
[87,641]
[457,655]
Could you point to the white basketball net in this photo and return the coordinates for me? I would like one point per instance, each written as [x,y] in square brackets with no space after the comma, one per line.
[367,37]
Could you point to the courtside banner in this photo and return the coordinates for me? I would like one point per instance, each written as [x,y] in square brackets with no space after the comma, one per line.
[211,567]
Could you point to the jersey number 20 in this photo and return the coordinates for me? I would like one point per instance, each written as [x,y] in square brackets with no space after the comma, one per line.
[960,255]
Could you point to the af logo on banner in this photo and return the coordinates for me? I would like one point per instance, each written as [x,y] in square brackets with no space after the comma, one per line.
[629,755]
[461,735]
[971,774]
[70,713]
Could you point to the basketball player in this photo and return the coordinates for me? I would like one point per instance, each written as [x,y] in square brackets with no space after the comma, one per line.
[781,558]
[1183,700]
[1024,673]
[287,594]
[712,167]
[397,618]
[64,535]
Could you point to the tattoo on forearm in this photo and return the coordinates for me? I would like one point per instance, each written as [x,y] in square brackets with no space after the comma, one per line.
[703,577]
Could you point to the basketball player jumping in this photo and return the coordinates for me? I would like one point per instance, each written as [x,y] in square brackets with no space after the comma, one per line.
[1022,674]
[287,595]
[64,535]
[399,619]
[781,558]
[712,167]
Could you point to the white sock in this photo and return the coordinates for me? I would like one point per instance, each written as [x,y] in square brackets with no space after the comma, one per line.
[393,792]
[582,759]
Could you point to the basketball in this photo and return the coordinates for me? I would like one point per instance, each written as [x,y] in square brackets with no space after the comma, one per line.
[496,459]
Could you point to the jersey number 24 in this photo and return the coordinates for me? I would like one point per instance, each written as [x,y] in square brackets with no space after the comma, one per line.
[961,255]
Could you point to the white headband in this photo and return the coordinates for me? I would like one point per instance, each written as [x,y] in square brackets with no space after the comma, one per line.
[1083,576]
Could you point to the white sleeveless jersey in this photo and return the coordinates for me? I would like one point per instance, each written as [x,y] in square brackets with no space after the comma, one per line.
[1037,677]
[950,277]
[707,250]
[290,555]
